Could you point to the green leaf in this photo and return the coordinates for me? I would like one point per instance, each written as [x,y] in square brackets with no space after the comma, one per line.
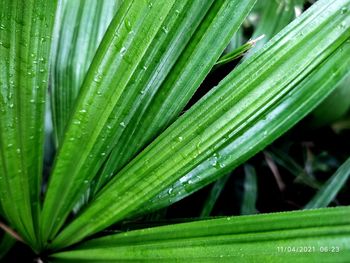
[274,16]
[294,168]
[157,110]
[338,101]
[141,46]
[331,188]
[79,30]
[234,121]
[236,53]
[213,195]
[304,236]
[209,170]
[6,243]
[249,191]
[25,38]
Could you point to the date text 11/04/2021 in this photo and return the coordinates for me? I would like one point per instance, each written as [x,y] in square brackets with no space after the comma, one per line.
[308,249]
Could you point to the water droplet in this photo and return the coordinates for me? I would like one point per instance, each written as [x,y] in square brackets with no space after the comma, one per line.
[18,150]
[97,78]
[165,29]
[127,24]
[86,181]
[123,51]
[177,11]
[122,124]
[180,138]
[76,122]
[103,154]
[82,111]
[343,10]
[342,25]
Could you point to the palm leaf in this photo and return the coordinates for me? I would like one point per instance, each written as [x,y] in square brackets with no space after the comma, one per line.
[140,46]
[6,243]
[330,188]
[157,110]
[25,38]
[79,30]
[249,191]
[213,195]
[304,236]
[232,122]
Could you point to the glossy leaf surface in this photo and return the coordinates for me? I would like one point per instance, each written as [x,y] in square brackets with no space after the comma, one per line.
[139,49]
[25,38]
[232,122]
[79,30]
[309,236]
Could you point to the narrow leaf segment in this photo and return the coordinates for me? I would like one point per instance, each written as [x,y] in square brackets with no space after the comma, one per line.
[25,39]
[311,236]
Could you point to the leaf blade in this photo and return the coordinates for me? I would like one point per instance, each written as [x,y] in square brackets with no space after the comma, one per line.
[165,166]
[243,238]
[25,37]
[331,187]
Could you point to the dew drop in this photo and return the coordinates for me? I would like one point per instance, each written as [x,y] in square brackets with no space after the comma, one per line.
[122,124]
[165,29]
[127,24]
[123,51]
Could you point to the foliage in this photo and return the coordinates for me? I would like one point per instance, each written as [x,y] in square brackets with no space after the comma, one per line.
[132,134]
